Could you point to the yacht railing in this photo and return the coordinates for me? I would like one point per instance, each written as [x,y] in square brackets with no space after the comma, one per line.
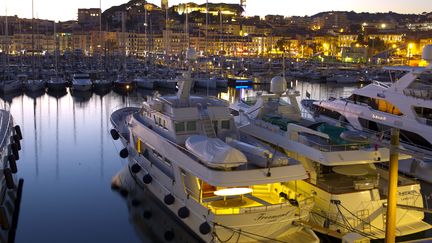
[308,141]
[384,85]
[333,147]
[357,184]
[246,210]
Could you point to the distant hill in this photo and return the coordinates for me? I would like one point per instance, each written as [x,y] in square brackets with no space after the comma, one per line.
[376,17]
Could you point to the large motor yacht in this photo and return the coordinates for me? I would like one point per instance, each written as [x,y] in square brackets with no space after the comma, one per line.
[405,104]
[346,178]
[10,187]
[185,150]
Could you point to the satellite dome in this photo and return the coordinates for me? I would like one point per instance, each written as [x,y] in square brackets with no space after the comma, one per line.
[427,53]
[278,85]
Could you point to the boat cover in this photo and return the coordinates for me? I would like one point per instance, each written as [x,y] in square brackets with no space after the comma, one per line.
[214,152]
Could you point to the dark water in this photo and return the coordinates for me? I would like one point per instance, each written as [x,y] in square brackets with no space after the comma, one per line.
[69,159]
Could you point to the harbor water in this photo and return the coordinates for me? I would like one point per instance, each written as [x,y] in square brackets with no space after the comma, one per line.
[69,159]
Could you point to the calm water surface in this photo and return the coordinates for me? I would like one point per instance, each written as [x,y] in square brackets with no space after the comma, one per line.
[69,159]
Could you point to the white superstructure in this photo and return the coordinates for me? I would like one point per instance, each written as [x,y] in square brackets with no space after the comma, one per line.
[405,104]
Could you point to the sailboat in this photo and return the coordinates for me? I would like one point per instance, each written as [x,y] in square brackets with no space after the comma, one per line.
[34,84]
[56,83]
[185,150]
[9,82]
[123,82]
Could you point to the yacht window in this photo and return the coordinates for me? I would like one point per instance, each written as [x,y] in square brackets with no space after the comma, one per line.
[179,126]
[164,124]
[155,120]
[167,161]
[387,107]
[191,125]
[225,124]
[424,112]
[159,121]
[378,104]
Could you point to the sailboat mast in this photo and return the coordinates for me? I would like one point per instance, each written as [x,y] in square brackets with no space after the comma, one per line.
[145,30]
[7,42]
[32,40]
[100,35]
[187,28]
[206,31]
[166,29]
[56,51]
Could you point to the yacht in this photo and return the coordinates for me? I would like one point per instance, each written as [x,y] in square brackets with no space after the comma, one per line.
[185,150]
[123,82]
[144,82]
[405,104]
[10,186]
[56,83]
[10,84]
[102,82]
[34,85]
[81,82]
[221,82]
[347,178]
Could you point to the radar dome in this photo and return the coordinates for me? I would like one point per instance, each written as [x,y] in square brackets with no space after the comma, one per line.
[191,54]
[427,53]
[278,85]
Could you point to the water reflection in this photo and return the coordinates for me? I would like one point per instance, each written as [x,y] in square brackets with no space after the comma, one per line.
[10,210]
[65,158]
[151,220]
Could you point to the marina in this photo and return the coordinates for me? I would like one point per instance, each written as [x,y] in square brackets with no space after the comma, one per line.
[199,122]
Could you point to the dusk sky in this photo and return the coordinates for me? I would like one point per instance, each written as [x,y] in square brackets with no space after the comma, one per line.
[67,10]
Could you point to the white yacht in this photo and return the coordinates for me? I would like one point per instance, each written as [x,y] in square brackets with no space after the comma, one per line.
[185,150]
[346,178]
[10,187]
[81,82]
[405,104]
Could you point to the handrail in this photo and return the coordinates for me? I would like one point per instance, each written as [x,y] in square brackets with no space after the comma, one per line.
[334,147]
[247,210]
